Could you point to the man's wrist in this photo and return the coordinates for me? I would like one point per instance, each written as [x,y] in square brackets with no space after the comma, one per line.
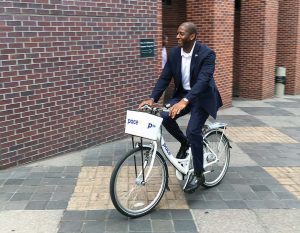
[185,100]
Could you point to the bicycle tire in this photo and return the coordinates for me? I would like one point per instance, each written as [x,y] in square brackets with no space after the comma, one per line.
[219,143]
[125,181]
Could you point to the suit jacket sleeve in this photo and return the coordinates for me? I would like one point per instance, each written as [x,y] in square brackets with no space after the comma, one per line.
[204,76]
[163,82]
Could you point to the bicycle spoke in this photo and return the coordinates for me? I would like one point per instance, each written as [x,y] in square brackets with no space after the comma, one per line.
[130,195]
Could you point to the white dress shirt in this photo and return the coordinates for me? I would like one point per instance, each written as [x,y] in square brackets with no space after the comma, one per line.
[164,56]
[186,67]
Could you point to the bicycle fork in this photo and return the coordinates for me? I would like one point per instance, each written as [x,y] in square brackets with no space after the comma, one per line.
[143,176]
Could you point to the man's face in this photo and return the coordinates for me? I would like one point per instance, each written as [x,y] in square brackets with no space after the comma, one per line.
[184,38]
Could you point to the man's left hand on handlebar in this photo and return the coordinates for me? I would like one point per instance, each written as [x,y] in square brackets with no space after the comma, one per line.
[177,108]
[149,102]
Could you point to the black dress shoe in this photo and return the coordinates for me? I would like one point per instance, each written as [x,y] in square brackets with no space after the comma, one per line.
[196,181]
[182,151]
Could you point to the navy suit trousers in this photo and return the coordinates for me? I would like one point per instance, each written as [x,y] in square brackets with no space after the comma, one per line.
[194,128]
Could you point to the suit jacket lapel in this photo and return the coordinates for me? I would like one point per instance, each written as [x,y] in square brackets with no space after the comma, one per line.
[178,65]
[195,57]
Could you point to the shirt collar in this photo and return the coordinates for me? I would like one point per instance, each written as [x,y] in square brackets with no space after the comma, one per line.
[184,54]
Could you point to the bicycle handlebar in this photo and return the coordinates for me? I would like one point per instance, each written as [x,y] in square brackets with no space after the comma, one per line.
[155,110]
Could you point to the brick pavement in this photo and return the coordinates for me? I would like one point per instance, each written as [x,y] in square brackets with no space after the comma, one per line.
[263,175]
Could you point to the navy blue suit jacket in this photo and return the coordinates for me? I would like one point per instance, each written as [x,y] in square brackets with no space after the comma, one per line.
[203,87]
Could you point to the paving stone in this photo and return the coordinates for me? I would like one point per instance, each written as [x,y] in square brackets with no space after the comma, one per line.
[225,187]
[14,182]
[274,204]
[161,214]
[36,205]
[72,169]
[242,188]
[181,214]
[249,195]
[162,226]
[245,120]
[65,188]
[258,188]
[67,181]
[193,204]
[140,225]
[255,204]
[61,196]
[15,205]
[93,226]
[9,188]
[117,226]
[277,188]
[19,175]
[46,189]
[265,111]
[285,196]
[70,227]
[21,197]
[56,205]
[5,175]
[230,196]
[96,214]
[212,196]
[5,196]
[220,221]
[33,182]
[266,195]
[29,221]
[70,175]
[41,196]
[50,181]
[54,175]
[115,215]
[293,204]
[56,169]
[236,204]
[74,216]
[185,226]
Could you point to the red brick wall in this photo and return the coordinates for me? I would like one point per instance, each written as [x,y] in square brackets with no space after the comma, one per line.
[69,71]
[258,36]
[215,22]
[288,43]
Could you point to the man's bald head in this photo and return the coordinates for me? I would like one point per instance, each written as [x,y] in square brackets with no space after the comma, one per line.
[190,27]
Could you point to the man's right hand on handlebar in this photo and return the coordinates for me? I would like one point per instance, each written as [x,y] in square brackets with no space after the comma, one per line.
[149,102]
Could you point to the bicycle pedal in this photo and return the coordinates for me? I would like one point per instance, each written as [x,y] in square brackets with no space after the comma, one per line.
[189,192]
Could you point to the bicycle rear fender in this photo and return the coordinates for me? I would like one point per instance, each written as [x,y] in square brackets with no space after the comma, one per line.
[216,125]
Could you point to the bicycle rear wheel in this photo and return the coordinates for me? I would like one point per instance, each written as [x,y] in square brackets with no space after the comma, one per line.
[217,144]
[131,193]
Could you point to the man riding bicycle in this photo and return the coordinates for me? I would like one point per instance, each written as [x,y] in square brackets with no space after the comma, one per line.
[191,64]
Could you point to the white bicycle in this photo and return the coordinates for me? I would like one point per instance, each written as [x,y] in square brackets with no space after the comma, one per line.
[140,178]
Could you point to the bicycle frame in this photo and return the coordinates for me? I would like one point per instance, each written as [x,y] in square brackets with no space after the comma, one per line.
[181,165]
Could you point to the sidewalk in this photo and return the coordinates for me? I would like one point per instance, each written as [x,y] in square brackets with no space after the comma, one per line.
[260,192]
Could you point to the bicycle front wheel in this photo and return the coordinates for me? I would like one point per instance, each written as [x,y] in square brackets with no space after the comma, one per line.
[217,152]
[132,192]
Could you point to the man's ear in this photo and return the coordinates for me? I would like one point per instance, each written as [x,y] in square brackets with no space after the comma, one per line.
[193,36]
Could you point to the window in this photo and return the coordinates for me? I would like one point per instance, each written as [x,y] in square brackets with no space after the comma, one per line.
[166,2]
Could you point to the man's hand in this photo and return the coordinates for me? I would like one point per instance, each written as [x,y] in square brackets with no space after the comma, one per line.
[149,102]
[177,108]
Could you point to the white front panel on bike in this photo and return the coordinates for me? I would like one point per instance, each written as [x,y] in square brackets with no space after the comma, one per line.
[142,124]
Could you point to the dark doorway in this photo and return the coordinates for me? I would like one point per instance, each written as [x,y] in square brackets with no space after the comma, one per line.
[236,49]
[173,14]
